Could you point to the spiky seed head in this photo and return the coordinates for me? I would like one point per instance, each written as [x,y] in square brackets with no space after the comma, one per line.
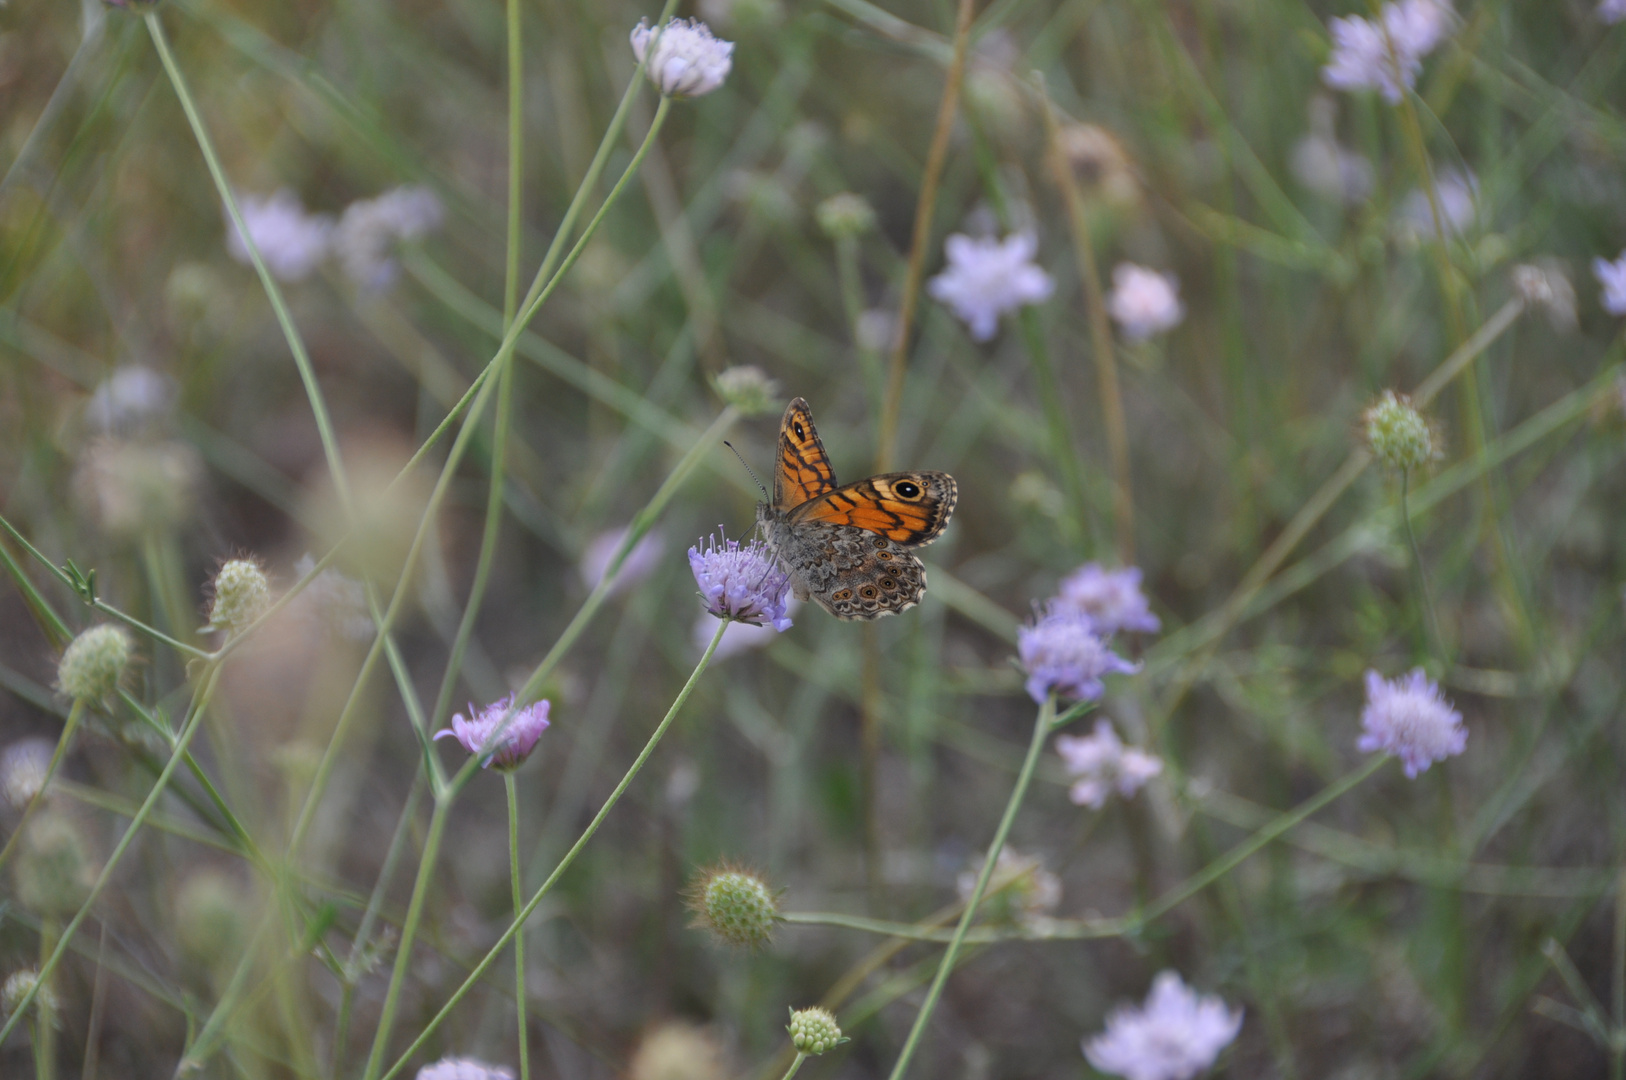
[845,215]
[735,904]
[17,986]
[1398,434]
[242,594]
[813,1031]
[93,663]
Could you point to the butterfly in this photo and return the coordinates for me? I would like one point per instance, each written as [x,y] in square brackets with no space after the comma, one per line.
[848,547]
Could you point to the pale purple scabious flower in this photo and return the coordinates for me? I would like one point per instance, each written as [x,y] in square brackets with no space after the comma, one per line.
[1458,195]
[369,230]
[132,401]
[1111,598]
[1144,302]
[1386,56]
[1612,276]
[1409,718]
[1326,167]
[519,733]
[332,604]
[291,242]
[1102,765]
[462,1068]
[1062,653]
[22,770]
[741,582]
[639,563]
[1175,1035]
[1612,11]
[986,278]
[688,60]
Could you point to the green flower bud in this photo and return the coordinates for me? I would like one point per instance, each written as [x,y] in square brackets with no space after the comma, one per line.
[748,388]
[241,595]
[52,869]
[1398,434]
[845,215]
[735,904]
[93,663]
[210,917]
[813,1031]
[677,1051]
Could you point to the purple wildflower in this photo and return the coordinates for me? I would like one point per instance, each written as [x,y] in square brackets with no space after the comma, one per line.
[1386,56]
[741,582]
[640,562]
[1174,1036]
[291,242]
[518,736]
[985,278]
[1062,653]
[1111,598]
[1101,765]
[464,1068]
[1411,719]
[1612,276]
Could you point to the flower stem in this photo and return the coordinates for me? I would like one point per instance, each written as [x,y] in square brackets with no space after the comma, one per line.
[516,159]
[1431,619]
[206,688]
[75,714]
[519,932]
[797,1064]
[1041,730]
[564,863]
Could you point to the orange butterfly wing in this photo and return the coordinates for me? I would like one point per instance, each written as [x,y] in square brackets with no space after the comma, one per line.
[909,508]
[803,471]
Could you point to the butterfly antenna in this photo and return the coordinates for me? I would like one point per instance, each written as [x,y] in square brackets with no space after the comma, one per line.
[764,490]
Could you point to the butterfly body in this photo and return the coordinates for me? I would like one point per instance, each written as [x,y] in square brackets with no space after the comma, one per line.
[848,547]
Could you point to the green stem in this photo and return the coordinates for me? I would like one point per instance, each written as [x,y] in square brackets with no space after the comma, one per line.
[409,930]
[210,677]
[519,933]
[75,714]
[1432,620]
[1041,730]
[797,1064]
[564,863]
[516,159]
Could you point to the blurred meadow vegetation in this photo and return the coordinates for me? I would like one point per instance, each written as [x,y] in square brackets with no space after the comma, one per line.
[1466,923]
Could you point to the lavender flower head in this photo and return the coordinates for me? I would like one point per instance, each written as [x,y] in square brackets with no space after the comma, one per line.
[1175,1035]
[1102,765]
[986,278]
[291,242]
[741,582]
[688,60]
[1612,276]
[1144,303]
[1386,56]
[519,734]
[1111,598]
[370,229]
[640,562]
[1063,654]
[464,1068]
[1612,11]
[1409,718]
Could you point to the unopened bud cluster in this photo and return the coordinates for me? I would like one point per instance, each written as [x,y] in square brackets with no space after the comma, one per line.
[813,1031]
[18,985]
[1398,434]
[845,215]
[748,388]
[734,904]
[242,594]
[93,663]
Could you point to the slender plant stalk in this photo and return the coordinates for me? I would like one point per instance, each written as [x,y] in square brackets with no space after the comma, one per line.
[564,863]
[1106,355]
[519,933]
[516,159]
[1432,619]
[1042,727]
[1617,1040]
[925,208]
[75,714]
[797,1064]
[206,687]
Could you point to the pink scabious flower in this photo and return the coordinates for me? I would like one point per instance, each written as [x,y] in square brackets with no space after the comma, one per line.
[639,563]
[1387,55]
[1103,765]
[1111,598]
[1063,654]
[463,1068]
[1175,1035]
[518,735]
[1612,276]
[291,242]
[1409,718]
[370,229]
[1612,11]
[688,61]
[741,582]
[1144,303]
[986,278]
